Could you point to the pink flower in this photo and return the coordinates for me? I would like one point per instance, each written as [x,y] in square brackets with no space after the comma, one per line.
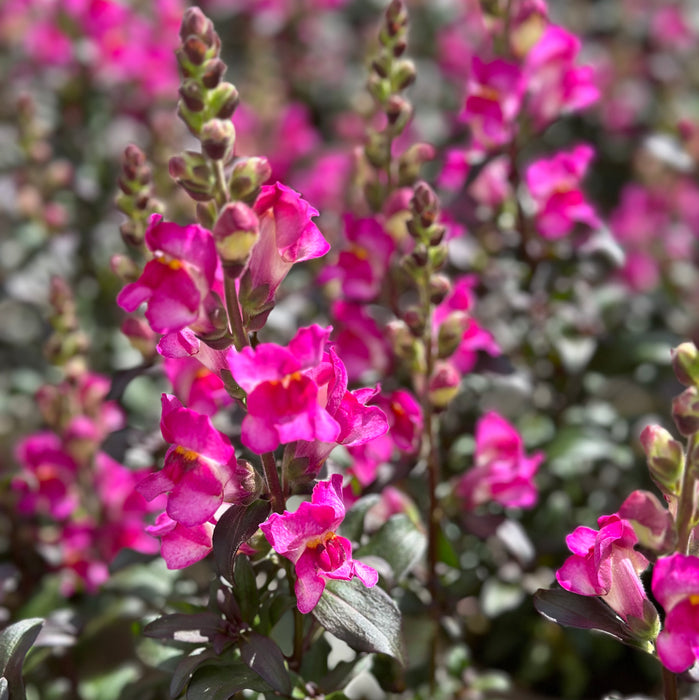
[182,546]
[46,483]
[604,563]
[556,86]
[176,283]
[502,472]
[555,186]
[283,391]
[196,386]
[675,585]
[287,236]
[460,337]
[307,538]
[200,471]
[358,422]
[360,342]
[455,170]
[493,101]
[363,265]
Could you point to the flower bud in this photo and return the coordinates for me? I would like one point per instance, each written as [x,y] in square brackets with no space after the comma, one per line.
[411,161]
[438,255]
[415,320]
[194,22]
[218,139]
[444,384]
[450,333]
[440,286]
[223,100]
[214,69]
[425,204]
[194,49]
[377,150]
[141,336]
[685,363]
[192,95]
[665,458]
[404,74]
[247,176]
[131,234]
[401,338]
[398,112]
[396,18]
[124,268]
[235,233]
[250,483]
[685,411]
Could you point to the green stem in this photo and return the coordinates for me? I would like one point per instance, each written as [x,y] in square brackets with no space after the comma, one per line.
[235,317]
[669,685]
[221,191]
[687,502]
[275,488]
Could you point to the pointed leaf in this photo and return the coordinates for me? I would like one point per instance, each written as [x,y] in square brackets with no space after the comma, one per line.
[264,657]
[366,618]
[399,542]
[237,524]
[245,588]
[222,682]
[353,525]
[581,612]
[195,628]
[15,641]
[185,668]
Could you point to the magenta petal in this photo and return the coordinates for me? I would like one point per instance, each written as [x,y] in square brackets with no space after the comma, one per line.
[577,575]
[154,484]
[184,546]
[309,585]
[581,540]
[674,651]
[366,574]
[258,435]
[196,497]
[194,431]
[329,493]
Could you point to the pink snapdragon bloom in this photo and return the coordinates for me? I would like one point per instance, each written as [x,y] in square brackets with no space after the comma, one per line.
[287,236]
[454,326]
[182,546]
[177,282]
[675,586]
[200,471]
[502,471]
[284,396]
[196,385]
[362,266]
[358,422]
[307,538]
[555,84]
[493,101]
[360,341]
[46,482]
[455,170]
[604,563]
[555,186]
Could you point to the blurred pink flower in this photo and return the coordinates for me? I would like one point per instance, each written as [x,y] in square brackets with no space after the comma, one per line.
[307,538]
[502,472]
[555,185]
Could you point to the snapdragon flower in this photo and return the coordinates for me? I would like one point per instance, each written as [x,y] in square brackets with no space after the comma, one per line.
[308,539]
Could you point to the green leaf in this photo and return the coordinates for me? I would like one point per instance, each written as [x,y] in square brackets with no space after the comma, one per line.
[366,618]
[181,627]
[581,612]
[343,673]
[399,542]
[185,668]
[264,657]
[15,641]
[222,682]
[353,525]
[237,524]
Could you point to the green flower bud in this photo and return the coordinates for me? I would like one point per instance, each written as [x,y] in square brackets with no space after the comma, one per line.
[685,411]
[685,363]
[665,457]
[236,232]
[218,139]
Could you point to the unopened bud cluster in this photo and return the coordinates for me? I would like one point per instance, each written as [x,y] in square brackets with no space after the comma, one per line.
[391,74]
[68,343]
[136,198]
